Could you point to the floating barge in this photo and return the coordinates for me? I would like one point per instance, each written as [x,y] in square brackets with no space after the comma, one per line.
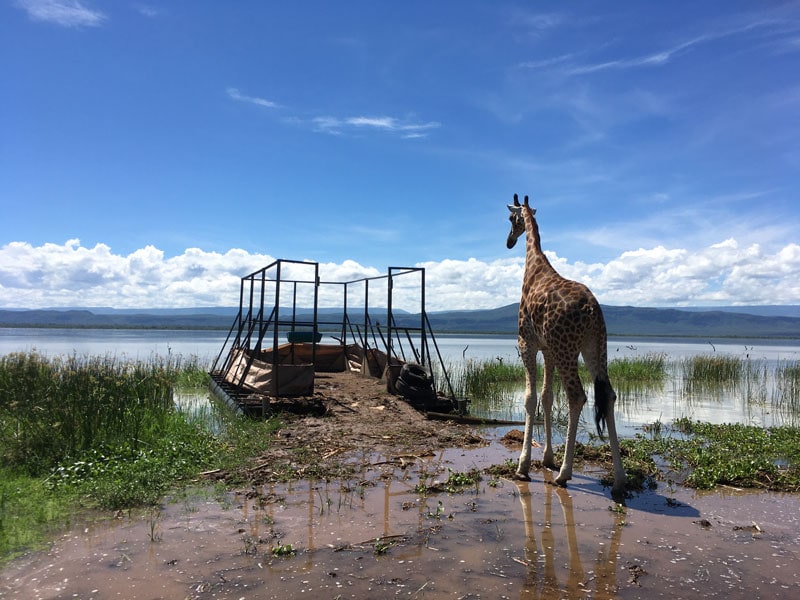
[365,334]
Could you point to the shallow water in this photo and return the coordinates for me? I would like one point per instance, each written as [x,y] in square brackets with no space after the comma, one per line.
[375,537]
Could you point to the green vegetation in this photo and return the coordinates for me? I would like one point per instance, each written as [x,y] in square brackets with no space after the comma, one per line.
[84,408]
[650,368]
[98,432]
[283,550]
[704,371]
[484,378]
[457,481]
[703,456]
[494,387]
[787,388]
[697,454]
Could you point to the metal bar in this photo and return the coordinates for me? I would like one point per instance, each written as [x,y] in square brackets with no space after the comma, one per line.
[345,318]
[389,315]
[422,315]
[316,305]
[366,313]
[441,360]
[275,332]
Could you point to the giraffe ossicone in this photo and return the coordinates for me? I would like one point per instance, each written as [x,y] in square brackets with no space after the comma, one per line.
[563,320]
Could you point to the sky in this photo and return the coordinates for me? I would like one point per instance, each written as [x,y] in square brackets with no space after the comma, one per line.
[152,153]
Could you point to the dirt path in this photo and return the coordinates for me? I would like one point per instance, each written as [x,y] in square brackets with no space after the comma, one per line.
[359,417]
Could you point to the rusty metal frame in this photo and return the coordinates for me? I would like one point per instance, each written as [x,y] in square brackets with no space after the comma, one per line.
[252,324]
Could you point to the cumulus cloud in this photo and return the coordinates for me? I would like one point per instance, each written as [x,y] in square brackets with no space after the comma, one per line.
[69,274]
[67,13]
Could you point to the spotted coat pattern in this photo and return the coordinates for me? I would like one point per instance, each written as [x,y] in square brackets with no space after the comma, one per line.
[562,319]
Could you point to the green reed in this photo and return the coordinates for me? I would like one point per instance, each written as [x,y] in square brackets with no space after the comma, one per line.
[53,408]
[787,388]
[480,378]
[707,371]
[650,368]
[92,430]
[486,377]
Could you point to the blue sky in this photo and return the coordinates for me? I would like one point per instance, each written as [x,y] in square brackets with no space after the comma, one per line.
[152,153]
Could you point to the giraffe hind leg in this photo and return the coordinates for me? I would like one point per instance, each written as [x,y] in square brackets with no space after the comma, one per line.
[529,361]
[547,409]
[576,398]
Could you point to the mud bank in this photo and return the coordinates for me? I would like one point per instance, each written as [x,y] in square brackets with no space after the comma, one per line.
[375,536]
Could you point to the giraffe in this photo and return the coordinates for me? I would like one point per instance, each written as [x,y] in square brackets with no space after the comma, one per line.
[562,319]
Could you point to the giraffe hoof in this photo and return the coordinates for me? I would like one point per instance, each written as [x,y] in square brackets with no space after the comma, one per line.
[522,476]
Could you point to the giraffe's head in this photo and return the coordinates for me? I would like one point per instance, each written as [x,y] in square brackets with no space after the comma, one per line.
[517,220]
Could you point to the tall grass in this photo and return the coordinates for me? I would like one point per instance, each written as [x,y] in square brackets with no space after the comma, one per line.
[482,378]
[494,386]
[787,389]
[650,368]
[709,371]
[98,428]
[103,431]
[487,377]
[60,407]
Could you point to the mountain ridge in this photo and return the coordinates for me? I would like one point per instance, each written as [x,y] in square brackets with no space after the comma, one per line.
[620,320]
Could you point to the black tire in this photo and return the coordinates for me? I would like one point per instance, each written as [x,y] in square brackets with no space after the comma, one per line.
[415,375]
[414,393]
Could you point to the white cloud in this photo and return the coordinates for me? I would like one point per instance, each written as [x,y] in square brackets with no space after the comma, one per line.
[406,129]
[67,13]
[235,94]
[147,10]
[54,275]
[772,25]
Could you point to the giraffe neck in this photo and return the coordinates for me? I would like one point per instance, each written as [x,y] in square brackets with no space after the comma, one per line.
[536,263]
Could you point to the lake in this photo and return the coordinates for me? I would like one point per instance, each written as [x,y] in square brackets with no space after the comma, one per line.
[205,345]
[635,407]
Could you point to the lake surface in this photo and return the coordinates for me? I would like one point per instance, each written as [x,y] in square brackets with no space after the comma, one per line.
[635,407]
[206,345]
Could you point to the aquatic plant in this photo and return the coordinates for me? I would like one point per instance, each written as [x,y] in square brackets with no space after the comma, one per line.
[100,428]
[705,455]
[711,370]
[787,388]
[60,407]
[650,368]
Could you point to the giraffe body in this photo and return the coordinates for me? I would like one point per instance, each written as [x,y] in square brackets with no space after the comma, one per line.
[561,319]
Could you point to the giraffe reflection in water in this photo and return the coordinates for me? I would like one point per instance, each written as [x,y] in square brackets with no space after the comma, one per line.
[547,571]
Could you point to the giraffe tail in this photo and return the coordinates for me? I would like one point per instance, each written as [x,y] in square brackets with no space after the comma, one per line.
[603,394]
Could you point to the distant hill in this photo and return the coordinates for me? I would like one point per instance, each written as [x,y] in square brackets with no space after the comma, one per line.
[636,321]
[620,320]
[772,310]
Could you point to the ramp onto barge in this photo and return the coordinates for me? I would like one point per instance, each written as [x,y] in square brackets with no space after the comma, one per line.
[254,368]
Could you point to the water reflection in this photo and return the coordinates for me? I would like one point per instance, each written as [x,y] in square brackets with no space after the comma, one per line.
[373,536]
[547,577]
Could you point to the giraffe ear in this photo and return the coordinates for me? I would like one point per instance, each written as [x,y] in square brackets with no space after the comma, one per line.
[516,200]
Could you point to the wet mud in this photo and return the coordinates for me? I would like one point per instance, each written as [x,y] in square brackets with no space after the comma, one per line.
[375,536]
